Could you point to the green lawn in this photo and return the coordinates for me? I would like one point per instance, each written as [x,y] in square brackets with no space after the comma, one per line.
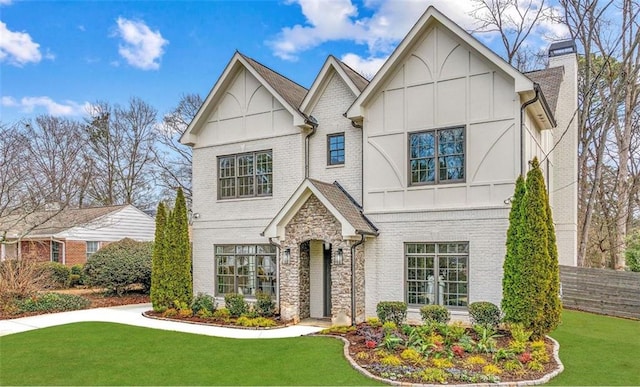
[598,350]
[113,354]
[595,350]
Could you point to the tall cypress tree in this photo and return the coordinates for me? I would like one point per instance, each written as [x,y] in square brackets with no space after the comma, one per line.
[553,305]
[158,275]
[178,264]
[512,300]
[534,250]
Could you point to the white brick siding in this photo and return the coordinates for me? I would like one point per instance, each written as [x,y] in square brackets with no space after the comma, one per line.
[484,229]
[329,110]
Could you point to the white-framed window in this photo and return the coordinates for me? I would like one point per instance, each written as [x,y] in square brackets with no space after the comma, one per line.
[92,247]
[437,273]
[245,269]
[245,175]
[437,156]
[56,251]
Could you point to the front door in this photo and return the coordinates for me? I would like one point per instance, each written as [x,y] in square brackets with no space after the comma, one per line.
[327,282]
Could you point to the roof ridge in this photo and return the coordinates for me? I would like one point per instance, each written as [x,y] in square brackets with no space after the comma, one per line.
[270,69]
[341,62]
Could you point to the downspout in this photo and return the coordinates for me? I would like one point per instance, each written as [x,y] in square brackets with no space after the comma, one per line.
[353,278]
[314,125]
[278,249]
[536,87]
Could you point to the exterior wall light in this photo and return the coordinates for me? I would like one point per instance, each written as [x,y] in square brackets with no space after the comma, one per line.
[339,257]
[286,256]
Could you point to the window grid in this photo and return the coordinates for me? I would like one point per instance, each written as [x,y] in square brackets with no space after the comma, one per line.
[245,269]
[450,286]
[446,147]
[92,247]
[245,175]
[335,149]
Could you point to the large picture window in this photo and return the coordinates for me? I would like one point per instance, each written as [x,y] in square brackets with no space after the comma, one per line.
[245,175]
[437,273]
[245,269]
[437,156]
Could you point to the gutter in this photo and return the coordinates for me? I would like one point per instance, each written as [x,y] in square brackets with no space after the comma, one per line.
[524,106]
[311,121]
[353,277]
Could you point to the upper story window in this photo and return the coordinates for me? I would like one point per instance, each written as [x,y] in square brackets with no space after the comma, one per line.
[437,156]
[92,248]
[245,175]
[335,149]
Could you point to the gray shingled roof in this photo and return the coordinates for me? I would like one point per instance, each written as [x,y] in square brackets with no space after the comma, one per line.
[53,222]
[549,81]
[347,207]
[360,81]
[288,89]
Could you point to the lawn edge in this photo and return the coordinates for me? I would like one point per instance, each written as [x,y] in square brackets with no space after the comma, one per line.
[545,379]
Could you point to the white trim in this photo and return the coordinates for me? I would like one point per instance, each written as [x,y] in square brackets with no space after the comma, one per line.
[322,80]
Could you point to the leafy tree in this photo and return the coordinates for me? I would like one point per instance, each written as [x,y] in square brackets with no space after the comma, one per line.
[633,251]
[158,275]
[178,253]
[512,300]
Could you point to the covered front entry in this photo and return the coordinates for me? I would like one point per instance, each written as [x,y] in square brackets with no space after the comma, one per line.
[318,277]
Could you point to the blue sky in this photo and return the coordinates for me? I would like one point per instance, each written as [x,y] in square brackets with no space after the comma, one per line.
[58,57]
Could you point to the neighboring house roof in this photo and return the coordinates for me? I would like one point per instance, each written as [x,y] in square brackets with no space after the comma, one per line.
[287,92]
[432,16]
[549,81]
[335,199]
[49,223]
[353,80]
[292,92]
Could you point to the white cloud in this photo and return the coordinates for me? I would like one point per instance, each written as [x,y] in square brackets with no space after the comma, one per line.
[367,67]
[141,47]
[30,104]
[5,2]
[335,20]
[17,48]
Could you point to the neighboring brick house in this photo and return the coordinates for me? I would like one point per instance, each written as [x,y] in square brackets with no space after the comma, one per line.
[70,236]
[353,192]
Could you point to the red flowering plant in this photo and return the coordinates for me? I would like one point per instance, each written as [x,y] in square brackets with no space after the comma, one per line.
[370,344]
[457,350]
[525,358]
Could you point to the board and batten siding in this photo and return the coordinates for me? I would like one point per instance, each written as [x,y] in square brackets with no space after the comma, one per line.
[129,222]
[442,83]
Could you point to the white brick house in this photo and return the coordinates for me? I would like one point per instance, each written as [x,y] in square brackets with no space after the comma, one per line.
[350,193]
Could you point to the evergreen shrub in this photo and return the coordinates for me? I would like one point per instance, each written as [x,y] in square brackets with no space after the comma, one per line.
[435,314]
[265,306]
[235,304]
[203,302]
[394,311]
[484,313]
[52,302]
[59,274]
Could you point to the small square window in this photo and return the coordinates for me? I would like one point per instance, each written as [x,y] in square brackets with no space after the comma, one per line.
[335,149]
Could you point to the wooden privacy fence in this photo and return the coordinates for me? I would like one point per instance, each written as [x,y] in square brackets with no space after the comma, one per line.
[610,292]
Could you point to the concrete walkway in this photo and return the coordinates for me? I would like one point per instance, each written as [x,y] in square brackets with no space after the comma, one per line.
[132,315]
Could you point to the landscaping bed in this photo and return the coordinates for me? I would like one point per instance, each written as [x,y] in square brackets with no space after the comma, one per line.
[447,353]
[242,322]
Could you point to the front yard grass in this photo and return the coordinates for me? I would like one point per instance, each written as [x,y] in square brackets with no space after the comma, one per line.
[598,350]
[114,354]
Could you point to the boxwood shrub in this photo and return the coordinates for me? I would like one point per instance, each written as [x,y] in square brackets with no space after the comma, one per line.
[236,304]
[484,313]
[435,314]
[60,274]
[394,311]
[203,302]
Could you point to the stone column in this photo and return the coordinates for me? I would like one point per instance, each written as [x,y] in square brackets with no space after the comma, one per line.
[290,284]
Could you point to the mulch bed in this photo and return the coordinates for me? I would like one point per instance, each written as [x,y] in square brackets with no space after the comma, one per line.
[230,323]
[371,362]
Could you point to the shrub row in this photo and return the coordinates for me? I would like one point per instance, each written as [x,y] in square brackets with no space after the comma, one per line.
[481,313]
[52,302]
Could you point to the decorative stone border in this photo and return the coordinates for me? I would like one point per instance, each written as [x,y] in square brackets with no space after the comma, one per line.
[144,314]
[542,380]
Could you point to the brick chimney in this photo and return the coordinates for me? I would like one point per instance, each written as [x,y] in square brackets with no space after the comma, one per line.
[565,155]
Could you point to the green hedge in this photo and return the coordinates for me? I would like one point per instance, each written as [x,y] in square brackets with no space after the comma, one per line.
[484,313]
[119,265]
[435,314]
[394,311]
[52,302]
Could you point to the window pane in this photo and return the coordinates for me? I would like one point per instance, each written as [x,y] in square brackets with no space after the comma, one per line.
[422,161]
[336,149]
[246,269]
[451,154]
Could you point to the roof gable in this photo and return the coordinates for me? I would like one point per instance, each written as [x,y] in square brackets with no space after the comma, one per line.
[287,92]
[334,198]
[332,65]
[430,18]
[549,81]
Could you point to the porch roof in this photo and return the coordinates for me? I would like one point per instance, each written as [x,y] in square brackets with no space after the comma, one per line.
[335,198]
